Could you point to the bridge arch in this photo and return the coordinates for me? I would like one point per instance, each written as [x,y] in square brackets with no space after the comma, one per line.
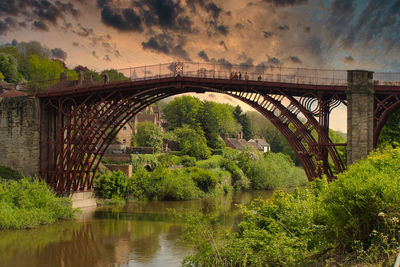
[78,125]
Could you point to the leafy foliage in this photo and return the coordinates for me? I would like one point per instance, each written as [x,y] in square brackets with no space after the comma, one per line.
[111,186]
[148,134]
[29,203]
[9,174]
[358,213]
[192,143]
[182,111]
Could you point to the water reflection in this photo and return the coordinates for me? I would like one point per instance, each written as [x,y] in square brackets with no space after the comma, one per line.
[137,234]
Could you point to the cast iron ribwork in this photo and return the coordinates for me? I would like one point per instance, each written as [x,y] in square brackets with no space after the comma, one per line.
[78,124]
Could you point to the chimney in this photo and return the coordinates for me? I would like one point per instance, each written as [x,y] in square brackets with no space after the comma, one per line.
[240,135]
[226,136]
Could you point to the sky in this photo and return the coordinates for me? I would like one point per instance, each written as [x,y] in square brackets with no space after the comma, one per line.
[102,34]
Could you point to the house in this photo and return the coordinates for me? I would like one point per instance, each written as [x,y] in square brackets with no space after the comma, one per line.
[262,144]
[240,143]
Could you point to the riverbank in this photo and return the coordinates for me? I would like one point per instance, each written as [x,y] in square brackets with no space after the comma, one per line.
[134,234]
[353,220]
[28,203]
[174,177]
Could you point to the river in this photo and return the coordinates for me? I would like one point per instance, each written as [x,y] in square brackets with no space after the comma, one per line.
[135,234]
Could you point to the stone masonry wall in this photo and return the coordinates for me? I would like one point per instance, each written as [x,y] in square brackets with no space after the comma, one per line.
[360,114]
[19,134]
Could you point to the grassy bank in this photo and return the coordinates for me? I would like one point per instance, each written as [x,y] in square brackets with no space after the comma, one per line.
[27,203]
[352,220]
[175,177]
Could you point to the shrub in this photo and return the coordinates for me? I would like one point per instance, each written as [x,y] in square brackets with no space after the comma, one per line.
[141,160]
[239,179]
[188,161]
[204,179]
[364,203]
[212,163]
[167,160]
[29,203]
[9,174]
[111,186]
[176,185]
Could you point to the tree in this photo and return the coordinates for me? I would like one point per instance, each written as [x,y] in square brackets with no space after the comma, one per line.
[114,75]
[9,66]
[244,121]
[192,143]
[182,110]
[148,134]
[390,133]
[215,120]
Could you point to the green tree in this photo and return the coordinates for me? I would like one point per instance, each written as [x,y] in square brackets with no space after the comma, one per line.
[114,75]
[192,143]
[244,122]
[390,133]
[217,119]
[43,69]
[8,66]
[148,134]
[182,110]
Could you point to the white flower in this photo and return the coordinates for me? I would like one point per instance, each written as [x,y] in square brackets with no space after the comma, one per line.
[381,214]
[395,220]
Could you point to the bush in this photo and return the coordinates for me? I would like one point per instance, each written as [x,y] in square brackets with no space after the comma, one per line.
[29,203]
[212,163]
[141,160]
[204,179]
[363,204]
[167,160]
[272,171]
[176,185]
[188,161]
[239,179]
[162,184]
[9,174]
[111,186]
[359,214]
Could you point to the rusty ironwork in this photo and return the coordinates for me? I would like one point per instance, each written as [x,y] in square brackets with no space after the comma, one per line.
[78,121]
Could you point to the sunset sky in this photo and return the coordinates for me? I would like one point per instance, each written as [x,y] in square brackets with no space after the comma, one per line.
[100,34]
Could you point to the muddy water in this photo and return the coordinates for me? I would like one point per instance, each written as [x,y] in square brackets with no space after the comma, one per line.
[136,234]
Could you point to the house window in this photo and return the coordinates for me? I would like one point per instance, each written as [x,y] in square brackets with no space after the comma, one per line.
[124,141]
[124,128]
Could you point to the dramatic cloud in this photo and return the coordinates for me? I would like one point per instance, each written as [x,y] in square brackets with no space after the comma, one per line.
[37,13]
[94,54]
[283,3]
[58,53]
[124,19]
[348,60]
[165,44]
[203,56]
[267,34]
[295,59]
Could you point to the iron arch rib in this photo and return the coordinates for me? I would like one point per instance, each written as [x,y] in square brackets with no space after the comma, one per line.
[84,121]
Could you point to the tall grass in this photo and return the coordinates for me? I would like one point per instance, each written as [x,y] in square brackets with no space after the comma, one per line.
[28,203]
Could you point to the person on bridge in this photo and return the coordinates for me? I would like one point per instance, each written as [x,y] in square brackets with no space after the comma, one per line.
[106,79]
[240,75]
[246,76]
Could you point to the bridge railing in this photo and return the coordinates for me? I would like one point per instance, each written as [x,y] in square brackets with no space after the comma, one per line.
[387,78]
[243,72]
[211,71]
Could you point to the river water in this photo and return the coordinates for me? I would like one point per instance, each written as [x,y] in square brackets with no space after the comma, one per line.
[135,234]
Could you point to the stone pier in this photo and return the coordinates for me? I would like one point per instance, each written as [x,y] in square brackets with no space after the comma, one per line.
[360,114]
[19,134]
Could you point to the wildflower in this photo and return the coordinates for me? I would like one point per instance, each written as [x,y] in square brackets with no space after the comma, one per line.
[381,214]
[395,220]
[374,232]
